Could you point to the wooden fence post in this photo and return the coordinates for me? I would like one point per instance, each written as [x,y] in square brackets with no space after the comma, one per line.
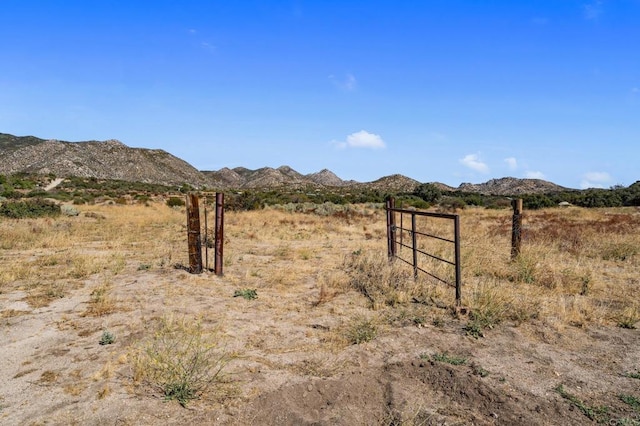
[219,234]
[193,234]
[391,228]
[516,229]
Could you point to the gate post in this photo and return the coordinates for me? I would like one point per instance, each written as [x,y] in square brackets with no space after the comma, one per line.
[193,234]
[414,245]
[456,231]
[391,227]
[516,229]
[219,233]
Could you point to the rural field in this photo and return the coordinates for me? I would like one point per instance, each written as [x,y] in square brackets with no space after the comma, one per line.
[102,324]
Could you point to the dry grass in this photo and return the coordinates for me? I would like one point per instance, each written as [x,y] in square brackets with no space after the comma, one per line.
[566,254]
[181,359]
[325,278]
[577,265]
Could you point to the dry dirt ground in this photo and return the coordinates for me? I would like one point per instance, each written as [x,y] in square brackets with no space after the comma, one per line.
[291,363]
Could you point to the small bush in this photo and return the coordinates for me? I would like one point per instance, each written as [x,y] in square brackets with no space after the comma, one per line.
[107,338]
[446,358]
[36,207]
[361,331]
[175,202]
[181,360]
[247,293]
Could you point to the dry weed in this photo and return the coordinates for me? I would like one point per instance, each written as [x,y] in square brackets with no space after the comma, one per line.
[101,301]
[180,359]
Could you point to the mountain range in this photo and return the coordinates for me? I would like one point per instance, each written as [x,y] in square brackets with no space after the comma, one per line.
[112,159]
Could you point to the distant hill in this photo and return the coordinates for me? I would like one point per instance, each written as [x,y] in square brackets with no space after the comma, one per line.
[103,160]
[268,177]
[512,186]
[114,160]
[394,183]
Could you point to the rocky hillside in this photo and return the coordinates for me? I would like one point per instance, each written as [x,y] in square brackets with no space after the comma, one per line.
[268,177]
[393,183]
[114,160]
[103,160]
[512,186]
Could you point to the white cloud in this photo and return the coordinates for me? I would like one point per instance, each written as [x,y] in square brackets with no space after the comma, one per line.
[362,139]
[348,83]
[534,175]
[598,176]
[473,162]
[585,184]
[512,163]
[595,180]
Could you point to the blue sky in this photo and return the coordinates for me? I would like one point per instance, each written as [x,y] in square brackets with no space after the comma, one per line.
[438,90]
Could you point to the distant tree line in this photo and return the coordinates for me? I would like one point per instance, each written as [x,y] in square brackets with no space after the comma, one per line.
[85,190]
[617,196]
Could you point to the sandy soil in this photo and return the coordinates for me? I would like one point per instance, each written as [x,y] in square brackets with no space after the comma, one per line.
[291,367]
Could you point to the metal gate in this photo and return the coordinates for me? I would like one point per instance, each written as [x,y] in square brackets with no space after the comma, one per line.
[404,234]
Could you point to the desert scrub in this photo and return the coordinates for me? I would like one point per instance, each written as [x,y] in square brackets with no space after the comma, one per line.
[445,358]
[361,330]
[598,414]
[107,338]
[382,282]
[175,202]
[101,302]
[246,293]
[36,207]
[181,360]
[492,303]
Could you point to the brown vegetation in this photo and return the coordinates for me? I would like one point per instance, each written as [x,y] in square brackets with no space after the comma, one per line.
[333,333]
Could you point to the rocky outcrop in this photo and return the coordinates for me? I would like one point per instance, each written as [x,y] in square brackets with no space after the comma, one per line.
[512,186]
[103,160]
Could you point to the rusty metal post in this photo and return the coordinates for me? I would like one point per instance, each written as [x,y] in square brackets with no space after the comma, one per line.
[516,229]
[388,210]
[193,234]
[414,245]
[219,234]
[456,242]
[391,228]
[206,237]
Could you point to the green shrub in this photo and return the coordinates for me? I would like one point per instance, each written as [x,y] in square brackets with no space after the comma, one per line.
[107,338]
[246,293]
[175,202]
[36,207]
[361,330]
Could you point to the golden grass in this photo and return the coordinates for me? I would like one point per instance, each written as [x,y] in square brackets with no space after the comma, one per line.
[101,301]
[577,266]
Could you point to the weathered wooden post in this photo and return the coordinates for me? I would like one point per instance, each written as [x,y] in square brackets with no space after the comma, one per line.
[219,234]
[206,237]
[391,227]
[516,229]
[193,234]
